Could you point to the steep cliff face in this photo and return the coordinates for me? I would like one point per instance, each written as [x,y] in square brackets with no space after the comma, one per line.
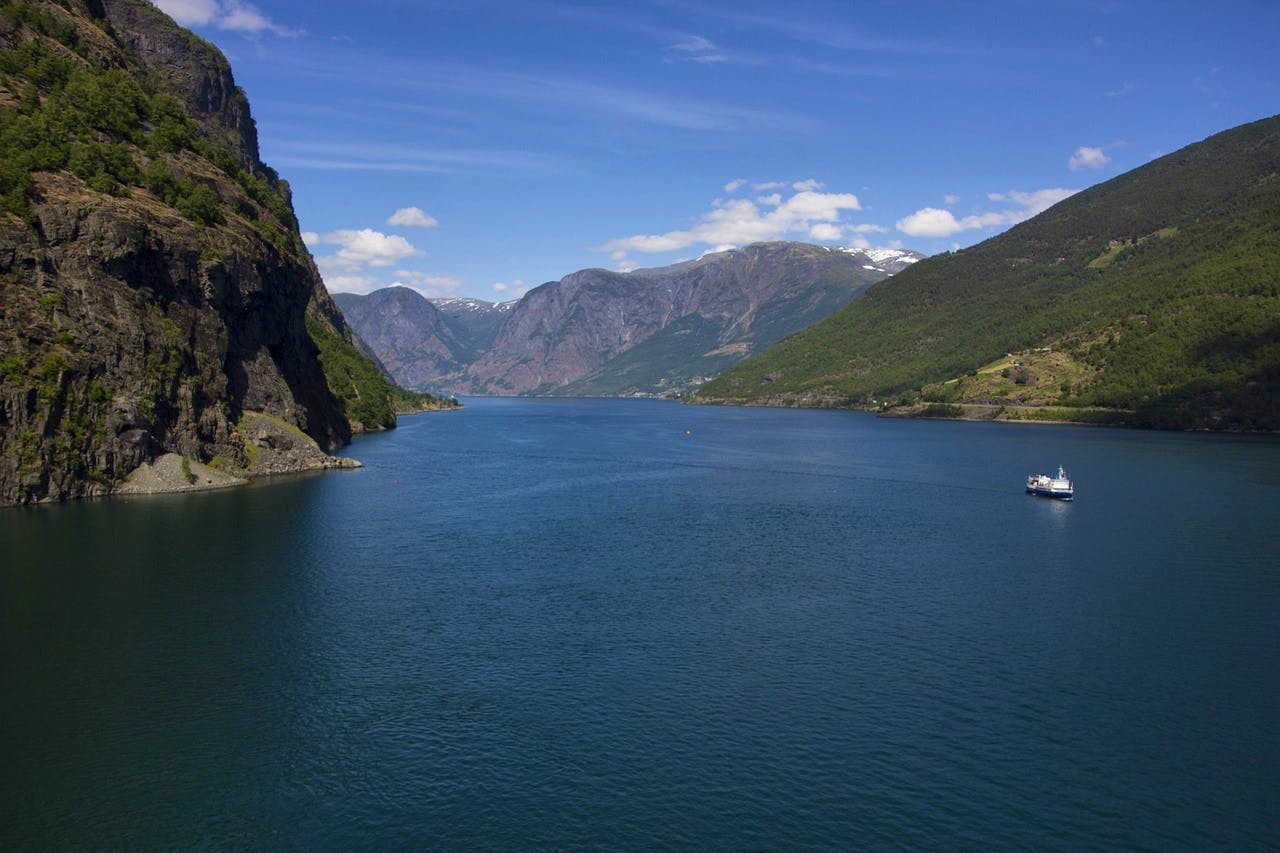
[190,68]
[423,344]
[153,286]
[408,335]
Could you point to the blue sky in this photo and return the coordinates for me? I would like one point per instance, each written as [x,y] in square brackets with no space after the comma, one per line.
[482,147]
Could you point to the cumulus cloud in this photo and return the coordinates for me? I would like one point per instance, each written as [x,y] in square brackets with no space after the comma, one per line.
[825,232]
[364,247]
[232,15]
[512,290]
[930,222]
[1088,158]
[735,185]
[338,283]
[936,222]
[189,12]
[412,217]
[428,284]
[808,186]
[737,222]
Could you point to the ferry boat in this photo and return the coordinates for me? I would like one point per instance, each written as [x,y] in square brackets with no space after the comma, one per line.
[1051,487]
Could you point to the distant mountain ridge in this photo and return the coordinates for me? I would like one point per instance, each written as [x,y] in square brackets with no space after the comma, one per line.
[599,332]
[1151,299]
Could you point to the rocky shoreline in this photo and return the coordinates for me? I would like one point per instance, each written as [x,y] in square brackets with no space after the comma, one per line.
[271,445]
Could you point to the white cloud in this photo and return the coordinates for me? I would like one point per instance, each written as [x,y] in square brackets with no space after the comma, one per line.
[1088,158]
[621,262]
[825,232]
[514,290]
[1031,202]
[351,283]
[950,199]
[189,12]
[428,284]
[930,222]
[233,15]
[772,200]
[364,246]
[737,222]
[769,185]
[935,222]
[735,185]
[412,217]
[311,238]
[808,186]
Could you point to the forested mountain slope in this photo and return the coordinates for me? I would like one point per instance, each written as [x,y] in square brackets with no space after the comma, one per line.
[1151,299]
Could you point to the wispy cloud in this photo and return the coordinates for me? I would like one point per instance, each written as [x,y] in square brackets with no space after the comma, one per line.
[696,49]
[818,30]
[870,72]
[370,156]
[231,15]
[522,93]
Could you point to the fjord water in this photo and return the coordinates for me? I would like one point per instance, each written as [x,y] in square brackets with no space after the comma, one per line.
[635,624]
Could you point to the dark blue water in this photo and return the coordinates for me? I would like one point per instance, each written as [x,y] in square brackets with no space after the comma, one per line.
[637,625]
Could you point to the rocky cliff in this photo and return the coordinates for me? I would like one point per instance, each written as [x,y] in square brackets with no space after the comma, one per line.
[154,291]
[406,333]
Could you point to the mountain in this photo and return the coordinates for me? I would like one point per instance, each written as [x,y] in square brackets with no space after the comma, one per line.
[474,322]
[662,330]
[597,332]
[156,299]
[1152,299]
[403,331]
[422,343]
